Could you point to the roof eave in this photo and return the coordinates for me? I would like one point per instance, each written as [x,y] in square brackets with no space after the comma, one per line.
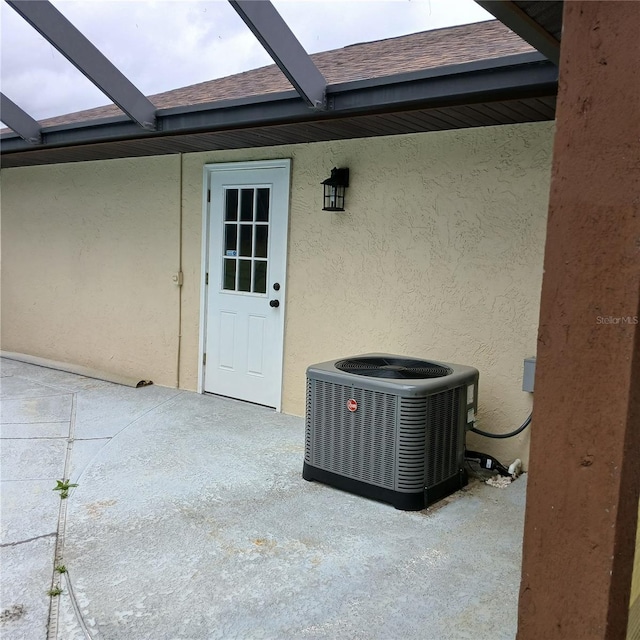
[514,76]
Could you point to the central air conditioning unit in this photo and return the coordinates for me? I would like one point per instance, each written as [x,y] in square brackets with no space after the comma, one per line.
[389,427]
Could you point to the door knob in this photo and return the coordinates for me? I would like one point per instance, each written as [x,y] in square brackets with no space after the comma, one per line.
[274,303]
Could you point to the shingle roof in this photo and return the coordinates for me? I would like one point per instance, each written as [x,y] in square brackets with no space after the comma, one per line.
[424,50]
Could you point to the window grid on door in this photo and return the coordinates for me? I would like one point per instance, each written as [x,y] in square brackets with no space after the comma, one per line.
[246,239]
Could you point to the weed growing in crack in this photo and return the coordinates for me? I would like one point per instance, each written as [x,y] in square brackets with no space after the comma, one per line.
[55,591]
[63,487]
[61,569]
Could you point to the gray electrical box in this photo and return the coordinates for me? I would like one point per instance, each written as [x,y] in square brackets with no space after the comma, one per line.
[529,374]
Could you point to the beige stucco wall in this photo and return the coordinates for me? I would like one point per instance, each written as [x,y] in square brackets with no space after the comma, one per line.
[439,255]
[88,252]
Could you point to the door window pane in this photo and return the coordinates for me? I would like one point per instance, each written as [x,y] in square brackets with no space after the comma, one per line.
[229,278]
[262,234]
[244,281]
[260,277]
[246,205]
[231,205]
[245,241]
[246,233]
[230,240]
[262,208]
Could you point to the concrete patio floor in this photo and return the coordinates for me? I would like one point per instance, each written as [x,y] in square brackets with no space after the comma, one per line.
[191,522]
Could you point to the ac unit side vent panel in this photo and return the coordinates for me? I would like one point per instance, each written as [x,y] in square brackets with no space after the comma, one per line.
[443,426]
[308,429]
[411,444]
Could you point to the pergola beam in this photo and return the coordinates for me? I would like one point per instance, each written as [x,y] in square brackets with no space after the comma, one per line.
[276,37]
[19,121]
[76,48]
[512,16]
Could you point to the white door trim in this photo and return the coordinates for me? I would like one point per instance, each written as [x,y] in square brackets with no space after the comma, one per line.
[208,171]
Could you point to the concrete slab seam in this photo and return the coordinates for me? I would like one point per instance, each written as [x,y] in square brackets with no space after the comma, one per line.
[76,607]
[54,603]
[113,437]
[8,424]
[61,392]
[53,387]
[54,610]
[26,480]
[38,437]
[28,423]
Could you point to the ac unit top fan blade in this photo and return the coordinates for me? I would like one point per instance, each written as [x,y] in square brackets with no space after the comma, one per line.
[395,368]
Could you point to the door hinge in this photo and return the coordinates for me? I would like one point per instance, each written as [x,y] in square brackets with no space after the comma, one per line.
[206,278]
[208,195]
[204,358]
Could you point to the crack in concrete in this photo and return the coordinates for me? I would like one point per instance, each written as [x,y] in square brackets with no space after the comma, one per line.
[14,544]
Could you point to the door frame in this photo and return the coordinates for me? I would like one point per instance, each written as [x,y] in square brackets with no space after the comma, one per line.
[207,172]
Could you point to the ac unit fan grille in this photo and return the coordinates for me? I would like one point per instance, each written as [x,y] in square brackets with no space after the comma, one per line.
[394,368]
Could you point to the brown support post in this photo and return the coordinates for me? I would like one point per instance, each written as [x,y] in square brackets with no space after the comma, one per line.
[584,482]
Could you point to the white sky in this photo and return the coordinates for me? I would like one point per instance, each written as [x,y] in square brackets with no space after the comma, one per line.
[166,44]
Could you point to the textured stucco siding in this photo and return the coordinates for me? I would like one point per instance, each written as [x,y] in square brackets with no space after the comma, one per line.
[438,255]
[88,253]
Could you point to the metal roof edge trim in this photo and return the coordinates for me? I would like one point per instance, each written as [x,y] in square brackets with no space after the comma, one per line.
[486,64]
[169,111]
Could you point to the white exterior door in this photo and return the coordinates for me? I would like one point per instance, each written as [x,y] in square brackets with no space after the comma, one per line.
[248,213]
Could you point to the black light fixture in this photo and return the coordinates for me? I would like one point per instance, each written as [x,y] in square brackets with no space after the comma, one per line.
[334,187]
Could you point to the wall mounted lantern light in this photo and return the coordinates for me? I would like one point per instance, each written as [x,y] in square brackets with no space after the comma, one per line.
[334,187]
